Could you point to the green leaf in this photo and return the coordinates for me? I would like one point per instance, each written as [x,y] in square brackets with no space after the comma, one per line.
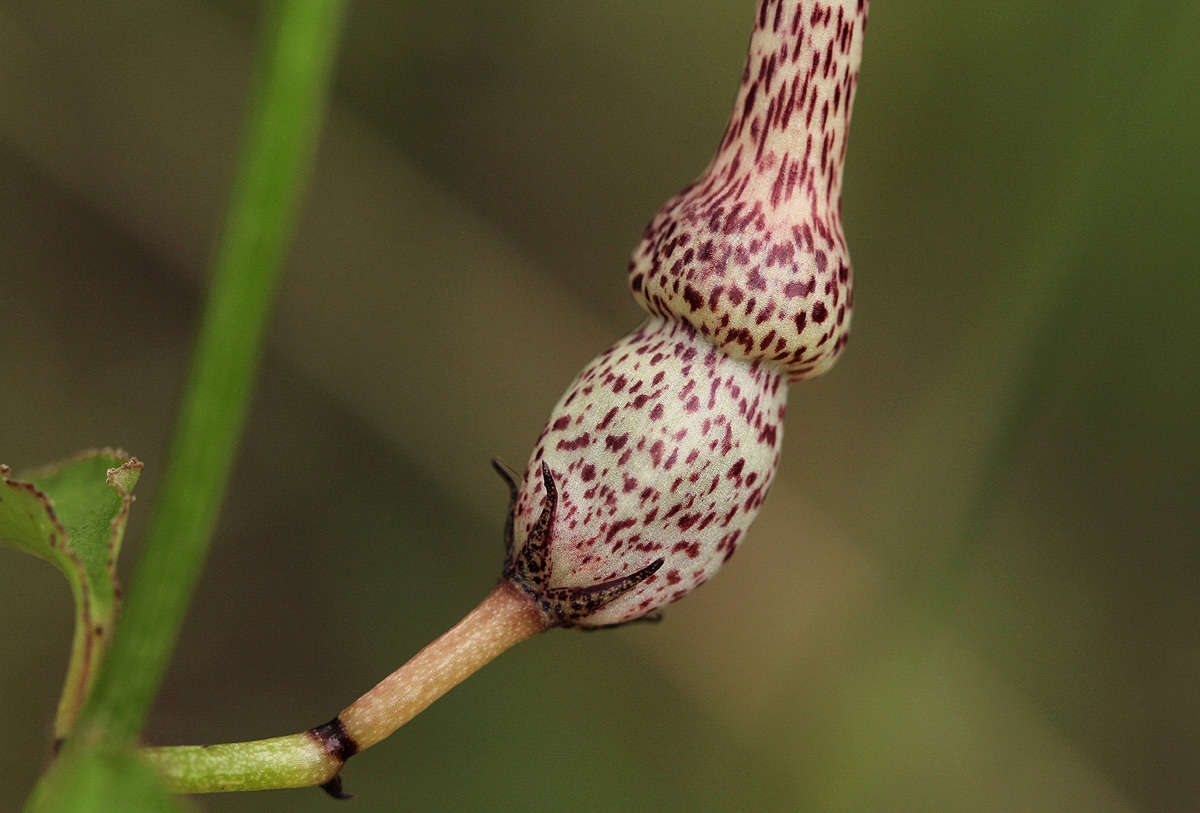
[73,515]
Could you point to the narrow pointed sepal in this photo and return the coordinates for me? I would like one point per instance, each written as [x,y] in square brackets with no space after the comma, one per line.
[531,566]
[573,603]
[530,569]
[513,481]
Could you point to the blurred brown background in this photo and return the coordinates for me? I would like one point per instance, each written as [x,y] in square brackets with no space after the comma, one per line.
[976,584]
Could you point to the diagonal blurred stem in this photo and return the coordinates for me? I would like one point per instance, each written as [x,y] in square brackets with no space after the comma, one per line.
[298,44]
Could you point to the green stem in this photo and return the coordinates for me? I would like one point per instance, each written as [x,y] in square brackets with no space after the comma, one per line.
[293,761]
[276,154]
[506,617]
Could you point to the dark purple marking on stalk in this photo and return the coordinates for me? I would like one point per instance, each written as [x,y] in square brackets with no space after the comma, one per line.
[333,738]
[338,744]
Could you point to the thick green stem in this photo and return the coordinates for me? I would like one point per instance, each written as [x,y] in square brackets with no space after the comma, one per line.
[294,761]
[505,618]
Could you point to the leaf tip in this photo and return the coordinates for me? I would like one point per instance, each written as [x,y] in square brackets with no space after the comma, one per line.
[124,477]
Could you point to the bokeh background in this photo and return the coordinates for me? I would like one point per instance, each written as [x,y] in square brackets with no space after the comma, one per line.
[976,585]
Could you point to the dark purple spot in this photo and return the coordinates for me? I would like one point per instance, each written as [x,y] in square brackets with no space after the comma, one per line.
[334,738]
[617,527]
[600,427]
[571,445]
[793,289]
[691,548]
[780,254]
[671,460]
[656,451]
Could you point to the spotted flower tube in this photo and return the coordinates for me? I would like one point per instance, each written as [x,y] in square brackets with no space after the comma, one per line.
[655,461]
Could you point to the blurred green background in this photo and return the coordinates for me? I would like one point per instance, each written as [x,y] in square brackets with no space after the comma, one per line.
[976,585]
